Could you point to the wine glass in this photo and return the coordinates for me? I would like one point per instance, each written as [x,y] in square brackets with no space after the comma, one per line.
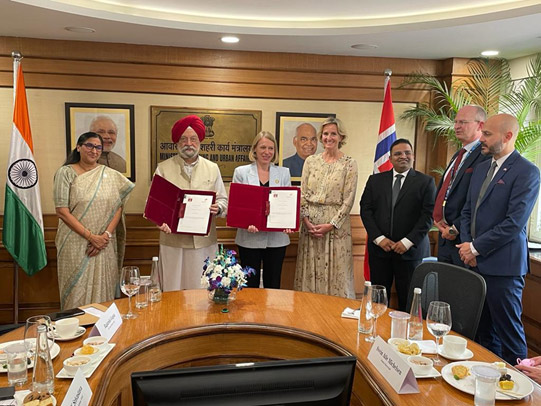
[130,281]
[438,322]
[31,331]
[376,307]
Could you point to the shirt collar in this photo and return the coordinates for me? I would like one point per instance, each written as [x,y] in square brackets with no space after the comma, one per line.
[471,145]
[403,173]
[501,160]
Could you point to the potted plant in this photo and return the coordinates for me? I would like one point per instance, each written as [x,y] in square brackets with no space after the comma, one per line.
[490,86]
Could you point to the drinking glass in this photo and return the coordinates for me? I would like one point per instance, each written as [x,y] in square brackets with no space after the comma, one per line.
[129,284]
[376,307]
[31,332]
[438,322]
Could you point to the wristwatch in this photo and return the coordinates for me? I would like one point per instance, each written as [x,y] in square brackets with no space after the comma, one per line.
[453,231]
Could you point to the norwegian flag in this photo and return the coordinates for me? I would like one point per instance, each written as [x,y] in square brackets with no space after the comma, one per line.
[387,131]
[387,135]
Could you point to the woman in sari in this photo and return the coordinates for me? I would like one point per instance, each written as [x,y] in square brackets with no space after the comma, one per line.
[90,240]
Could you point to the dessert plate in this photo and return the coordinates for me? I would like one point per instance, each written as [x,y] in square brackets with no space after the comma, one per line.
[523,386]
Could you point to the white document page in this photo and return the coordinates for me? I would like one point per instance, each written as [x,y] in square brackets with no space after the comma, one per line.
[196,214]
[283,209]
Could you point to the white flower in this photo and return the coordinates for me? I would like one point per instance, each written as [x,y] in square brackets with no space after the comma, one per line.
[226,282]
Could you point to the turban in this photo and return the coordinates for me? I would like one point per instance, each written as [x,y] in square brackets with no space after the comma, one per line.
[189,121]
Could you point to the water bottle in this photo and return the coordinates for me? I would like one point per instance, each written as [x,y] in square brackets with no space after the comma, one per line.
[155,282]
[366,323]
[415,325]
[43,375]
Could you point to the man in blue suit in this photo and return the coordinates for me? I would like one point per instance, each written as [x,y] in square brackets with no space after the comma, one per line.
[502,194]
[454,184]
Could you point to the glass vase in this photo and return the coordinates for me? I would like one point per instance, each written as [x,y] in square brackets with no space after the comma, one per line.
[220,296]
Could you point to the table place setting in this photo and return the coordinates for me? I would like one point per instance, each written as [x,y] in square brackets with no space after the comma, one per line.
[397,371]
[66,329]
[460,375]
[19,399]
[86,363]
[454,348]
[54,349]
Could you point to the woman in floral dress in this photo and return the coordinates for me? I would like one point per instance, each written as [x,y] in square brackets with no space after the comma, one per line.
[329,183]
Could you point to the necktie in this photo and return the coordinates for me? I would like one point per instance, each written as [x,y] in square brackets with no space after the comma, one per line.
[396,188]
[484,187]
[438,206]
[394,196]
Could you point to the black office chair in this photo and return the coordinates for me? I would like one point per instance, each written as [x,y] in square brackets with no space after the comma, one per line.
[463,289]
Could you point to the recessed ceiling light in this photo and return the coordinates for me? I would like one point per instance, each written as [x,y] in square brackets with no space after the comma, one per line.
[83,30]
[230,40]
[490,53]
[364,46]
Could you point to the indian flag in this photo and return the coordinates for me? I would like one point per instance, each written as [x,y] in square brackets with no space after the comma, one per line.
[22,234]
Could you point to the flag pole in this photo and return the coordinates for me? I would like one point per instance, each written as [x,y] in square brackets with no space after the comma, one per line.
[16,55]
[381,160]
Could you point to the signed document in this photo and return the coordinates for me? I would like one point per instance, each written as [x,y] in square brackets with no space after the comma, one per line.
[282,209]
[196,214]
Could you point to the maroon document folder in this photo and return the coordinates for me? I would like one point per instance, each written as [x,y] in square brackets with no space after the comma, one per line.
[249,205]
[165,204]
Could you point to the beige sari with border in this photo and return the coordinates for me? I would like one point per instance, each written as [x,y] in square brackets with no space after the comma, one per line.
[92,198]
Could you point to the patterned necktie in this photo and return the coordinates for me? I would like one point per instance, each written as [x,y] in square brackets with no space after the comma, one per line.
[484,187]
[438,206]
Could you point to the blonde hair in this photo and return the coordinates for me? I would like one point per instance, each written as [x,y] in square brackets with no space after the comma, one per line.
[339,127]
[258,137]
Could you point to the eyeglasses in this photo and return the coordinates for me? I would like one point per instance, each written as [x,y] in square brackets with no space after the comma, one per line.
[91,146]
[184,140]
[462,122]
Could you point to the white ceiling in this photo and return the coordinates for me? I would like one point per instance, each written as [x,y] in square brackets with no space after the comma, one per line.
[432,29]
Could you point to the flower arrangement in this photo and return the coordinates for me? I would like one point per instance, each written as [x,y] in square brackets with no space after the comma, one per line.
[224,272]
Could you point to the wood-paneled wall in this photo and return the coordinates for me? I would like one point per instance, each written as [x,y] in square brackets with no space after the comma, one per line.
[39,293]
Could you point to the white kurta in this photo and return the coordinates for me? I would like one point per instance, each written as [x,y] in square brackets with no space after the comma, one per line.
[182,256]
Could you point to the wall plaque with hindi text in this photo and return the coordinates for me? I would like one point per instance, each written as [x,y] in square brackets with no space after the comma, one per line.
[228,135]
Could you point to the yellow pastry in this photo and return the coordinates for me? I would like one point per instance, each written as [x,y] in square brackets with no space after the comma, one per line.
[506,385]
[460,372]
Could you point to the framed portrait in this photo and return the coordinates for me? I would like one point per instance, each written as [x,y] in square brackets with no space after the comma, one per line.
[228,135]
[115,124]
[296,135]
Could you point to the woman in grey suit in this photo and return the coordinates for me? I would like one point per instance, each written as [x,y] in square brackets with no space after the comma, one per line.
[263,247]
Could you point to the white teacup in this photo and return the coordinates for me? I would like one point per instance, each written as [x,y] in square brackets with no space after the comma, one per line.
[454,345]
[67,327]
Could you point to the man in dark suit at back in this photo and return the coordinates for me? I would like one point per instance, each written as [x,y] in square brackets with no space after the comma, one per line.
[454,184]
[396,209]
[502,194]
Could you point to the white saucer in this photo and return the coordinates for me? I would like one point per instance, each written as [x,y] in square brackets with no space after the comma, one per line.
[80,331]
[432,374]
[462,357]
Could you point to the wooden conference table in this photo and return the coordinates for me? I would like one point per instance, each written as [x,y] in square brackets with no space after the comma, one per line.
[186,329]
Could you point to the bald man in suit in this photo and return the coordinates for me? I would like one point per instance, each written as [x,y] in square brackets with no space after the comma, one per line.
[502,194]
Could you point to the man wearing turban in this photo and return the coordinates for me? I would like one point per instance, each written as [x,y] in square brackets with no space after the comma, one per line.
[182,255]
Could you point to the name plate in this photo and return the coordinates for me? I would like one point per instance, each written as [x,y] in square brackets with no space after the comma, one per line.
[108,323]
[79,392]
[393,367]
